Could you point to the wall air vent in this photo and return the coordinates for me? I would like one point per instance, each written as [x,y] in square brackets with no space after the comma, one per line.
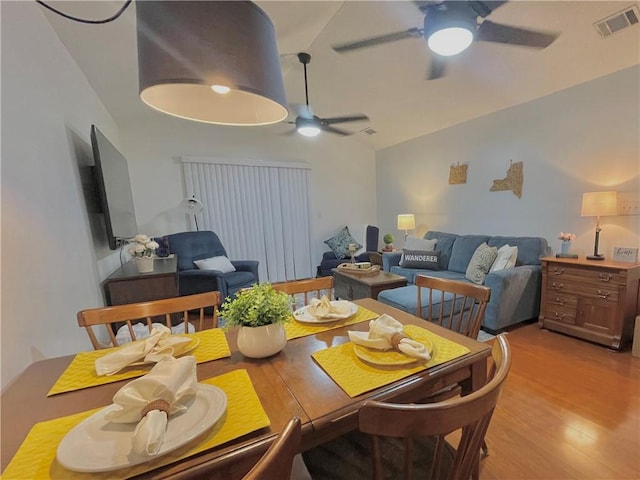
[369,131]
[618,21]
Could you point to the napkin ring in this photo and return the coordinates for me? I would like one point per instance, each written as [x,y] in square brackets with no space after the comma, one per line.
[396,338]
[158,404]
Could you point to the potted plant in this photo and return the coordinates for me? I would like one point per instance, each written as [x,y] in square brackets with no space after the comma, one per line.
[388,243]
[260,312]
[142,249]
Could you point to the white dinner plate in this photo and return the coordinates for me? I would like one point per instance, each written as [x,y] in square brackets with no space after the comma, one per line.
[97,445]
[303,315]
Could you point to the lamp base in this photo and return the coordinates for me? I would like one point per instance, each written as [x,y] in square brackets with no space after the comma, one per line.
[595,257]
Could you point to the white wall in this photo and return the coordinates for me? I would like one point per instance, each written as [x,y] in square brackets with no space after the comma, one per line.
[586,138]
[51,263]
[342,176]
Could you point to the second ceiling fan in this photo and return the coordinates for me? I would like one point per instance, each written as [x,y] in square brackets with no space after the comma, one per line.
[310,125]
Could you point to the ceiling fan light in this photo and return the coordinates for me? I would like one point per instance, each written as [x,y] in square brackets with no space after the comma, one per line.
[309,131]
[450,40]
[186,47]
[221,89]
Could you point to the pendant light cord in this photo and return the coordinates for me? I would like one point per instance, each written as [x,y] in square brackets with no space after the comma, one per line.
[84,20]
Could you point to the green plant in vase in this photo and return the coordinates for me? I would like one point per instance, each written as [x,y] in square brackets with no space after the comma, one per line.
[260,312]
[388,243]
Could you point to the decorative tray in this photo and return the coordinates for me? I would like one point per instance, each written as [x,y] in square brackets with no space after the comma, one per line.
[351,269]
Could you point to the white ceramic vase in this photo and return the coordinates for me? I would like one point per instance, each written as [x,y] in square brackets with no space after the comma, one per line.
[261,342]
[144,264]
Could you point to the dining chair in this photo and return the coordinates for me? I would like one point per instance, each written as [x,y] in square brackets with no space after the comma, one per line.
[188,308]
[306,289]
[470,415]
[277,462]
[453,304]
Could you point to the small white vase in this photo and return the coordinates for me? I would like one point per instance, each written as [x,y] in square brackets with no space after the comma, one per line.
[144,264]
[261,342]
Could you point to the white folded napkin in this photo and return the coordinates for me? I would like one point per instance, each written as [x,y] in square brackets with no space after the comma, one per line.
[169,388]
[151,349]
[386,333]
[323,308]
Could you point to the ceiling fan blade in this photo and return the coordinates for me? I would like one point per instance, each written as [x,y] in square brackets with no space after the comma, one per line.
[495,32]
[437,68]
[484,8]
[330,129]
[369,42]
[346,118]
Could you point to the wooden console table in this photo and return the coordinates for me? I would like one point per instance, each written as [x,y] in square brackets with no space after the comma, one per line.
[353,287]
[596,300]
[126,285]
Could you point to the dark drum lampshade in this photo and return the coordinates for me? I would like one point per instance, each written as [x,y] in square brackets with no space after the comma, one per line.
[187,47]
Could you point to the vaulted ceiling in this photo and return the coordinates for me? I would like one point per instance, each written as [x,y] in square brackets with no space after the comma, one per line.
[386,82]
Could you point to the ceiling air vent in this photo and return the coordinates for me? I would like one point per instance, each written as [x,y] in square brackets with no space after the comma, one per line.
[617,21]
[369,131]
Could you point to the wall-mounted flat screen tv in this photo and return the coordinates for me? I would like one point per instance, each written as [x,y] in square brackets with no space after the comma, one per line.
[114,187]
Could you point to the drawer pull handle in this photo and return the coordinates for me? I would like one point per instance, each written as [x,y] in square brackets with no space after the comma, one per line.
[557,285]
[605,277]
[602,294]
[558,271]
[560,301]
[559,316]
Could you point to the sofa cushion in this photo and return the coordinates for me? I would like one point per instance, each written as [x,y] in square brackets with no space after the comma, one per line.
[410,273]
[530,249]
[420,259]
[406,299]
[415,243]
[339,243]
[463,249]
[480,263]
[506,258]
[445,245]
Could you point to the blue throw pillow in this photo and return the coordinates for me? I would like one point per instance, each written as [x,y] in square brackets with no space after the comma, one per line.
[339,244]
[428,260]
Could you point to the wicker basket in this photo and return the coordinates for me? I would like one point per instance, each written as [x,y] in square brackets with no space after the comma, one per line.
[351,270]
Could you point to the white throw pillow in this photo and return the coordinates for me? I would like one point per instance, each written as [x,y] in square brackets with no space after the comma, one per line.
[507,256]
[415,243]
[221,263]
[359,233]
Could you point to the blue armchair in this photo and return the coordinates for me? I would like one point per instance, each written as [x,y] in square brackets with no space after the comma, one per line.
[192,246]
[370,244]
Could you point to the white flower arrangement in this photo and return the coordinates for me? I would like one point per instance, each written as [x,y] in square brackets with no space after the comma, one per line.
[566,237]
[142,246]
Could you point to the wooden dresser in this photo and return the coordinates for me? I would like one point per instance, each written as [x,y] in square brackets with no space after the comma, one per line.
[596,300]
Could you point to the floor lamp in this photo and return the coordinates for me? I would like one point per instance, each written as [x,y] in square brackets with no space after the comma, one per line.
[406,222]
[598,204]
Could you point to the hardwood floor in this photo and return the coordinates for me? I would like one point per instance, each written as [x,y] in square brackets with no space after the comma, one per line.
[569,410]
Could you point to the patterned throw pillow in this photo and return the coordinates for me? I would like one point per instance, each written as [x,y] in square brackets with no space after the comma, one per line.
[339,244]
[420,259]
[480,263]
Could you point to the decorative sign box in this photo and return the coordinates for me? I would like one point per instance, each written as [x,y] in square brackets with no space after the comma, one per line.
[625,254]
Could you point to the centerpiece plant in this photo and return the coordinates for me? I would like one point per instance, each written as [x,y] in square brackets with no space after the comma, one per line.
[260,312]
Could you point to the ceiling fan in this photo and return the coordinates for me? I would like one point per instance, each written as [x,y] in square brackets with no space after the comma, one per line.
[450,26]
[310,125]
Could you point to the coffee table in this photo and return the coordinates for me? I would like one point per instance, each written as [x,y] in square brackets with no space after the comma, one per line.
[352,287]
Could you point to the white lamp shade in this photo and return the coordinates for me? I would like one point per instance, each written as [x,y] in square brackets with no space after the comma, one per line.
[599,204]
[185,48]
[406,221]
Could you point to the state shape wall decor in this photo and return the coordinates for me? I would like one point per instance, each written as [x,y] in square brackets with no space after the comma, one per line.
[513,181]
[457,174]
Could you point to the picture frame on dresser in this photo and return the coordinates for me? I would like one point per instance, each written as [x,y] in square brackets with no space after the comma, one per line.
[625,254]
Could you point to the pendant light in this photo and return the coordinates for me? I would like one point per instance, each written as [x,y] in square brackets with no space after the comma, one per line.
[210,61]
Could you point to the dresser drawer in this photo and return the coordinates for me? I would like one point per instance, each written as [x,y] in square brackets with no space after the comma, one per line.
[584,275]
[564,287]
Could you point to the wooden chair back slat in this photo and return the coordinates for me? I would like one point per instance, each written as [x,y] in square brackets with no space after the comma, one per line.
[145,312]
[308,288]
[459,306]
[471,414]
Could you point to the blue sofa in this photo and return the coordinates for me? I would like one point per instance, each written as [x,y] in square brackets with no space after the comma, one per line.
[515,292]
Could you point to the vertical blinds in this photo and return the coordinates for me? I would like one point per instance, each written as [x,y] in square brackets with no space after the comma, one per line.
[259,210]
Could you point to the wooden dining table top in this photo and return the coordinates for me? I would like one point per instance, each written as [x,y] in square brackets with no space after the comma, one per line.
[290,383]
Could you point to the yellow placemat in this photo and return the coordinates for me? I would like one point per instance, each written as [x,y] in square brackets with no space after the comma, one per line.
[81,372]
[356,377]
[295,329]
[35,458]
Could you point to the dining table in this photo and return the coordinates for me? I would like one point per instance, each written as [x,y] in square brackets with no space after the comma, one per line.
[315,377]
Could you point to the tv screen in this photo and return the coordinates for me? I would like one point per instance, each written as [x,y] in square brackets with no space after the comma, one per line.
[114,187]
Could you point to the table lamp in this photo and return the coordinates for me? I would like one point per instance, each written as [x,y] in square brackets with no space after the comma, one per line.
[598,204]
[406,222]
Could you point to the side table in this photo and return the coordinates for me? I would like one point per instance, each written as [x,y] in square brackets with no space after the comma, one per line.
[352,287]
